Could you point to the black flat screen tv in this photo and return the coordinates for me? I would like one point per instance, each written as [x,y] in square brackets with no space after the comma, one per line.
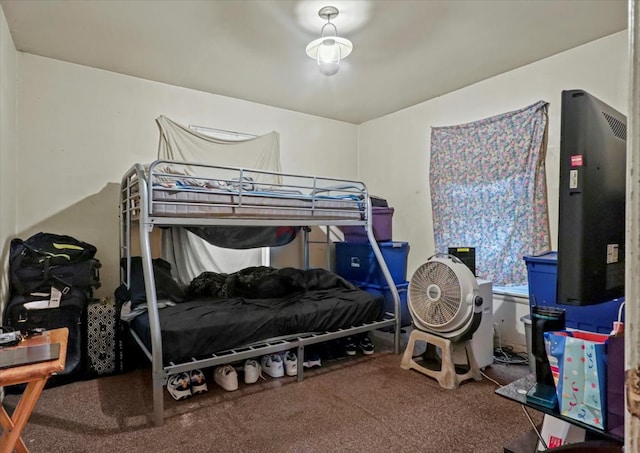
[592,201]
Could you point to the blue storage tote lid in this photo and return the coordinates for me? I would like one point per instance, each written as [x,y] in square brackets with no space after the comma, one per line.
[546,258]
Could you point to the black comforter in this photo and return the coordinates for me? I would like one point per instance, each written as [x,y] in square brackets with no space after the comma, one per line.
[232,310]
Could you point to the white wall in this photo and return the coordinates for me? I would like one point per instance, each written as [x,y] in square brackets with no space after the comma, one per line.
[393,151]
[509,329]
[80,129]
[7,148]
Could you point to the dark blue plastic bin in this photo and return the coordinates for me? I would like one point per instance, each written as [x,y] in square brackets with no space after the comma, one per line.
[405,316]
[543,276]
[357,263]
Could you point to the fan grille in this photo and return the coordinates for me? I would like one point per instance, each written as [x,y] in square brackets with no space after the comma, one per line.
[435,294]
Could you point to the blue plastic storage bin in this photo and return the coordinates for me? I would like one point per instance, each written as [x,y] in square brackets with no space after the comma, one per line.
[542,272]
[357,263]
[405,316]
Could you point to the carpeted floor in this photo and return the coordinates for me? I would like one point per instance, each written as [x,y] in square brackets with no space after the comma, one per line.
[368,404]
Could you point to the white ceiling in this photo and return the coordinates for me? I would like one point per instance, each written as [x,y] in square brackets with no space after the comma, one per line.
[405,52]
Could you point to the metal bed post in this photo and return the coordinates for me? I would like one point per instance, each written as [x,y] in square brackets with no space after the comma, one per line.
[158,373]
[125,228]
[387,277]
[632,234]
[305,247]
[327,246]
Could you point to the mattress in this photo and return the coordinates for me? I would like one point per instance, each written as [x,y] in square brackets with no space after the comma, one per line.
[202,327]
[170,202]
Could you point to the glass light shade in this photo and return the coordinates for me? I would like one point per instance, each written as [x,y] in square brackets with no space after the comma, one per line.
[328,52]
[329,57]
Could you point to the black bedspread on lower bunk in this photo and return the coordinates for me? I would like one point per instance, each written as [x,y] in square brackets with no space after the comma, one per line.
[204,326]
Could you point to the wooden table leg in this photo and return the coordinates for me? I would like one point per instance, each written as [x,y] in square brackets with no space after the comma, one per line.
[7,425]
[13,426]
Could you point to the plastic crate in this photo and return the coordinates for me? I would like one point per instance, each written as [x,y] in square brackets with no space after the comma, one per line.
[542,272]
[382,226]
[405,316]
[356,262]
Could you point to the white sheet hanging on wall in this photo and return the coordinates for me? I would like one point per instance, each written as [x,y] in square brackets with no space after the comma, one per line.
[188,254]
[178,142]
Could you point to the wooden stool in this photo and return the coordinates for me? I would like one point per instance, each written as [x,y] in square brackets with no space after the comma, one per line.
[447,376]
[35,376]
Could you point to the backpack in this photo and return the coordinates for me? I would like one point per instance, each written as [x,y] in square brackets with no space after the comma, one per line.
[47,259]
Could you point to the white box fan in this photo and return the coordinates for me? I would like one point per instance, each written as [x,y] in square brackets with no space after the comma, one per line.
[446,307]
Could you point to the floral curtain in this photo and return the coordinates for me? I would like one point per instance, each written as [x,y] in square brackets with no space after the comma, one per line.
[488,191]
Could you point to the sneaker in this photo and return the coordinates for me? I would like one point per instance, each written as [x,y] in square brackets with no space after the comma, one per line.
[290,363]
[179,386]
[252,371]
[311,358]
[366,345]
[272,365]
[198,384]
[350,346]
[226,377]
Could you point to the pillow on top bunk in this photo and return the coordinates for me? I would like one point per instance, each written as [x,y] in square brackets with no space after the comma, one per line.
[177,175]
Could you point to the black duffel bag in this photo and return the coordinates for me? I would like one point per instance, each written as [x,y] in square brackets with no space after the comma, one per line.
[84,274]
[47,259]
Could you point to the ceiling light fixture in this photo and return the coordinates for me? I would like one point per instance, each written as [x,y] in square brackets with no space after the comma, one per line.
[329,50]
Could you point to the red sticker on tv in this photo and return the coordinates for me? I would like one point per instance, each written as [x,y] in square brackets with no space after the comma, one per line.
[555,442]
[576,161]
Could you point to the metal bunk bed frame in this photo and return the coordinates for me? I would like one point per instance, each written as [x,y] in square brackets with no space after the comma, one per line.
[136,206]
